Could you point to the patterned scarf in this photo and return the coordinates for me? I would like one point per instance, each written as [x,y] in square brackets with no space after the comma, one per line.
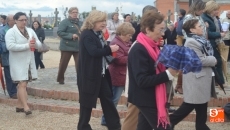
[103,43]
[204,42]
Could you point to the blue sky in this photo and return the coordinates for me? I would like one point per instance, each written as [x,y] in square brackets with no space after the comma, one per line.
[46,7]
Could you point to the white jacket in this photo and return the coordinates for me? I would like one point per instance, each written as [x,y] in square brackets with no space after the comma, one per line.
[21,58]
[112,27]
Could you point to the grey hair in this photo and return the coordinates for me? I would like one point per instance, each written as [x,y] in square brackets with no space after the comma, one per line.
[9,16]
[149,7]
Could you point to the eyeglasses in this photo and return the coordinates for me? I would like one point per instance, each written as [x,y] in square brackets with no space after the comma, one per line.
[74,12]
[22,20]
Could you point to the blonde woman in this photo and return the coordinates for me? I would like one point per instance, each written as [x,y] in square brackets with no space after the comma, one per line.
[214,33]
[93,77]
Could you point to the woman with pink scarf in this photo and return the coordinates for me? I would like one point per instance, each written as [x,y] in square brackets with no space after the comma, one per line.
[147,90]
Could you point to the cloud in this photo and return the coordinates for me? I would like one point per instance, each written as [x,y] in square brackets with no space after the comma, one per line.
[47,7]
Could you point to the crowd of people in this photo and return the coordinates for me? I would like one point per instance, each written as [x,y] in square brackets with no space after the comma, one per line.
[112,56]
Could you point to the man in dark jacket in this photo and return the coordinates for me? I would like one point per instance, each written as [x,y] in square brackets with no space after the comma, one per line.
[170,34]
[180,37]
[11,87]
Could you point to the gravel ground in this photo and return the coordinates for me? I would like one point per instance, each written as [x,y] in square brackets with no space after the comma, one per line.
[42,120]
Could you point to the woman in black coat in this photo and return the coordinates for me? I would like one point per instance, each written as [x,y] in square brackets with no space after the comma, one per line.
[147,90]
[36,26]
[93,77]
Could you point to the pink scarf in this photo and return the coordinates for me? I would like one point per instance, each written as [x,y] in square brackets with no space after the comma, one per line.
[153,50]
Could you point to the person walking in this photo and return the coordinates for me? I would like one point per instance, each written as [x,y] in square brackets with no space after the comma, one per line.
[214,34]
[196,86]
[117,69]
[21,42]
[36,26]
[93,77]
[112,25]
[195,11]
[69,33]
[10,85]
[147,89]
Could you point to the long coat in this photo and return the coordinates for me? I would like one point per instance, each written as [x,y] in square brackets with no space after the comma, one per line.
[21,58]
[197,86]
[89,68]
[118,68]
[65,31]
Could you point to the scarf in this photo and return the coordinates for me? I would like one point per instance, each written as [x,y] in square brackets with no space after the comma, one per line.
[204,42]
[103,43]
[153,50]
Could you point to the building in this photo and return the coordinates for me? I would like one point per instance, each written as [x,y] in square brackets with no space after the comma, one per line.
[174,5]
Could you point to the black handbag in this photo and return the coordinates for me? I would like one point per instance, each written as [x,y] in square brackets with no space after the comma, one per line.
[109,59]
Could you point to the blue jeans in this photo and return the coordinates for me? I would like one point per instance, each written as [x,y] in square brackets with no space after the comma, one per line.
[117,91]
[11,87]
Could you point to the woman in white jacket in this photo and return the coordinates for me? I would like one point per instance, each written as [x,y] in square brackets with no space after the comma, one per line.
[21,41]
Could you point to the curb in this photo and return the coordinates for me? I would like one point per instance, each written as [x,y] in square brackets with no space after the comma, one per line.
[74,96]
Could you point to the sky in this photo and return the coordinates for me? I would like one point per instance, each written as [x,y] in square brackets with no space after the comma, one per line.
[47,7]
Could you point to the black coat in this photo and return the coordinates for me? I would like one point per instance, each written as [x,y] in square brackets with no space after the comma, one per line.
[40,34]
[142,77]
[89,68]
[170,36]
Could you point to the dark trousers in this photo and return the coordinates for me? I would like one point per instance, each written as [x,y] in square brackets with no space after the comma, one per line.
[185,109]
[38,60]
[64,61]
[110,112]
[147,119]
[219,65]
[11,87]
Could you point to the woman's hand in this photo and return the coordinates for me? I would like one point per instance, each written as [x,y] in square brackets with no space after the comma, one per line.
[75,36]
[173,72]
[114,48]
[222,34]
[32,43]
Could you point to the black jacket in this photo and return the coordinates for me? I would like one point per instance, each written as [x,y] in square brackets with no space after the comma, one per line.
[40,34]
[170,37]
[142,77]
[137,31]
[89,68]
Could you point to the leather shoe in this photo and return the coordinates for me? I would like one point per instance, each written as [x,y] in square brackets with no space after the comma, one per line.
[14,96]
[19,109]
[61,83]
[28,112]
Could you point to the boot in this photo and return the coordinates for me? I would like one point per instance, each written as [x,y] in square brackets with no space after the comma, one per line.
[179,84]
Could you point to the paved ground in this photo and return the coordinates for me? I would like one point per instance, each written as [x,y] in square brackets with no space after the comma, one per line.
[42,120]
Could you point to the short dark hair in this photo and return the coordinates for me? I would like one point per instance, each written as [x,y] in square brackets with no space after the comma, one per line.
[126,15]
[149,7]
[189,24]
[182,12]
[3,16]
[39,25]
[149,19]
[18,14]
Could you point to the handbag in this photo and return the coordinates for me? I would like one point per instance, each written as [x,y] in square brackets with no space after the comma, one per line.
[44,48]
[109,59]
